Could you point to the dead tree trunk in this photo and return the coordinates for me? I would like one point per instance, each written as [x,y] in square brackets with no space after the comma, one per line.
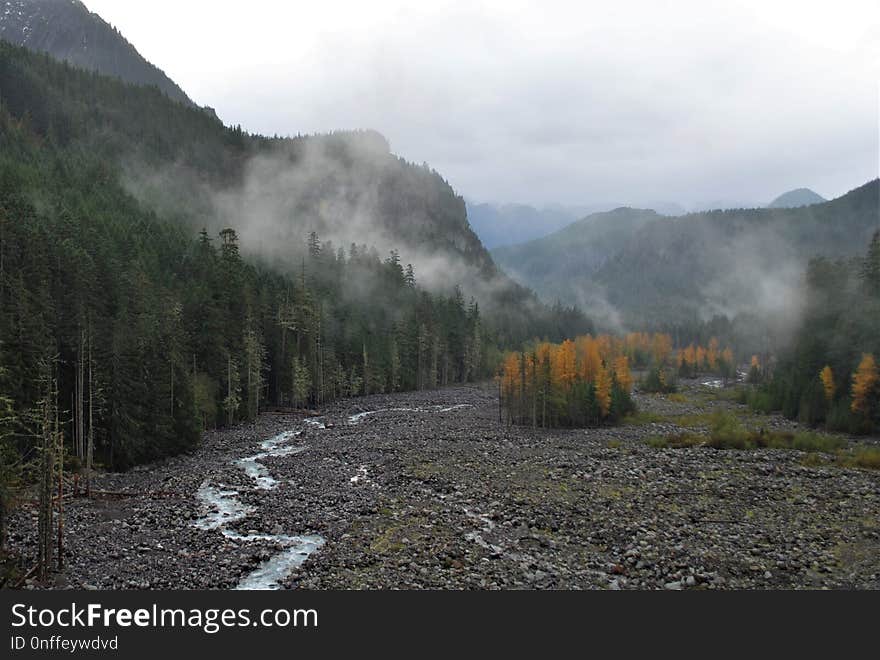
[47,468]
[90,449]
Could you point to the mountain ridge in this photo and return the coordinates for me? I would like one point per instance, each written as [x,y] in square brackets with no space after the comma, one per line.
[68,31]
[673,270]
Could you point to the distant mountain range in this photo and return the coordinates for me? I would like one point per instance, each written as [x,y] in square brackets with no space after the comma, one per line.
[67,30]
[500,225]
[647,269]
[510,224]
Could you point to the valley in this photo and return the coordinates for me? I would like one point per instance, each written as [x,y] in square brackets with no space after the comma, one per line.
[280,346]
[428,490]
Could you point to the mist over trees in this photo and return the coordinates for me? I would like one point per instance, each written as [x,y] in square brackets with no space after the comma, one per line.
[634,270]
[828,375]
[126,328]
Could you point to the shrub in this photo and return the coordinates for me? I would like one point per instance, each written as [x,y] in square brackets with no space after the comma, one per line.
[867,457]
[725,432]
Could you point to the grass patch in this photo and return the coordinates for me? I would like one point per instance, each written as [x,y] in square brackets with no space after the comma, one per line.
[692,421]
[867,458]
[676,441]
[643,418]
[726,432]
[677,397]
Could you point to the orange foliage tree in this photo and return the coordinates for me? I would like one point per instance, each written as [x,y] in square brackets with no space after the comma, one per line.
[827,378]
[864,386]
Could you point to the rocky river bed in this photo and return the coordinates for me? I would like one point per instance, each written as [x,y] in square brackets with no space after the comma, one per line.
[428,490]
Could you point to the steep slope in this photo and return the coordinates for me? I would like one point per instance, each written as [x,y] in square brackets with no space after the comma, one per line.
[67,30]
[347,187]
[168,330]
[795,198]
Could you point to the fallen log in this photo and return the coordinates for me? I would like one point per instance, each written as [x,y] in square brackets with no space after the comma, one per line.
[24,578]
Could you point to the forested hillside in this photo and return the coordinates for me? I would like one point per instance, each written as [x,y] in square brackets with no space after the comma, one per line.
[672,272]
[347,187]
[135,328]
[559,265]
[733,262]
[149,334]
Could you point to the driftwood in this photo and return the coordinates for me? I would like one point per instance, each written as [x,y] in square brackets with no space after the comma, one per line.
[122,494]
[115,495]
[284,410]
[24,578]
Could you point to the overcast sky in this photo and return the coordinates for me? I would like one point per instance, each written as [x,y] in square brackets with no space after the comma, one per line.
[548,102]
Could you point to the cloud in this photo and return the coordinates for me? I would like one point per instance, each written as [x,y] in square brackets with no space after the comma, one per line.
[553,101]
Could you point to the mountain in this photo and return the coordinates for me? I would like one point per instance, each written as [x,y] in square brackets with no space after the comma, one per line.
[795,198]
[747,261]
[653,272]
[67,30]
[505,224]
[557,265]
[186,167]
[187,274]
[510,224]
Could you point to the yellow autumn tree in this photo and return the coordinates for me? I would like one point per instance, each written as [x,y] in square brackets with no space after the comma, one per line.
[690,356]
[727,356]
[865,381]
[603,391]
[661,348]
[712,354]
[827,378]
[700,357]
[622,373]
[591,361]
[563,367]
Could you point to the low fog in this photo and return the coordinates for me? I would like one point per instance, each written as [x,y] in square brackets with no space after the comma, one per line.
[545,104]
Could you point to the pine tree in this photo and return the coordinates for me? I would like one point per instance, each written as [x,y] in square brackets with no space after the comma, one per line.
[10,465]
[233,391]
[301,380]
[603,391]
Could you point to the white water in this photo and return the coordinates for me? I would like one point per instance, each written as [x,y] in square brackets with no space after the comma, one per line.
[222,508]
[354,419]
[718,383]
[270,574]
